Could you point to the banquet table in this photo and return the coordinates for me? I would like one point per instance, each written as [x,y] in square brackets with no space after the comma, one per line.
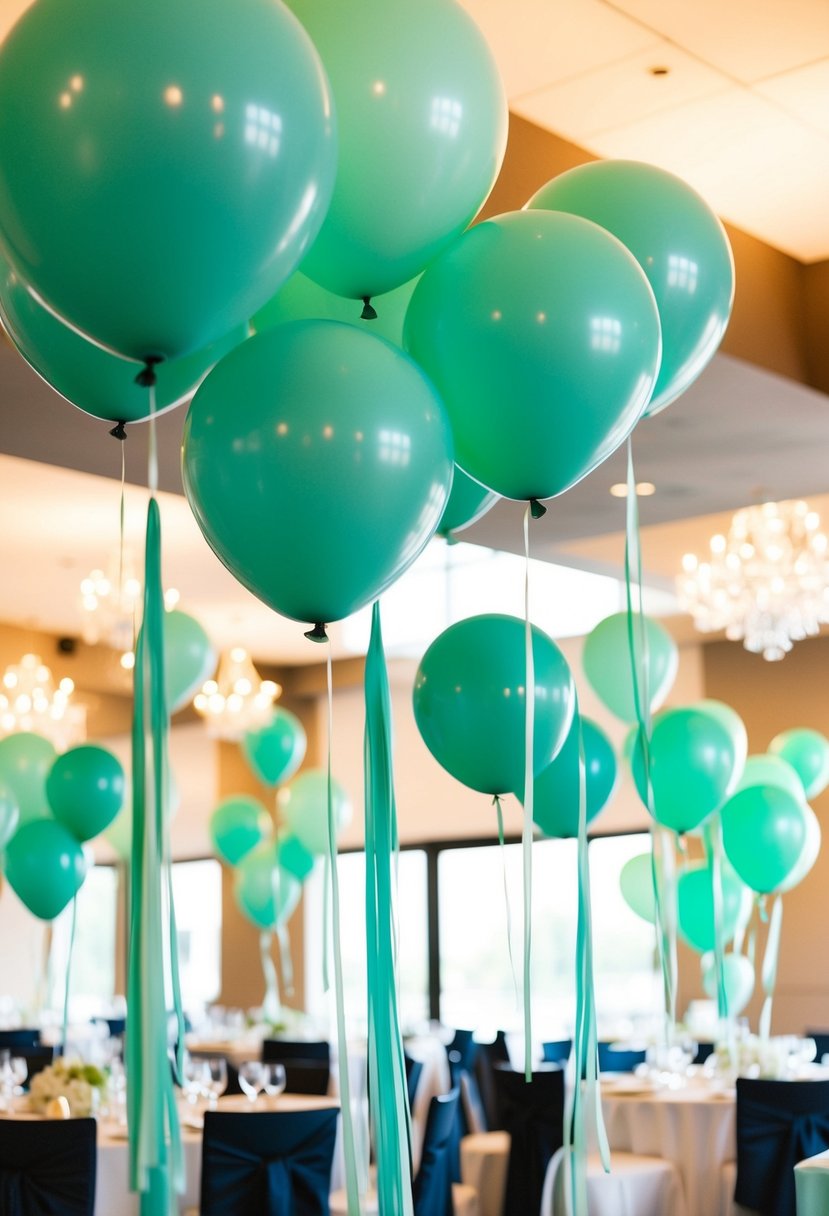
[811,1179]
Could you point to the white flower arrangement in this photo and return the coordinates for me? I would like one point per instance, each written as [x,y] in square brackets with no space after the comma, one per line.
[83,1086]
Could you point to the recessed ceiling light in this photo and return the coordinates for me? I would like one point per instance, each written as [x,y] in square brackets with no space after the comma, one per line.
[644,489]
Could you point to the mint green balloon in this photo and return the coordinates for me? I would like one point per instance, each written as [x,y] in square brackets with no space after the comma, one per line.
[679,243]
[238,825]
[556,788]
[607,664]
[636,885]
[85,788]
[542,336]
[422,124]
[733,723]
[469,701]
[155,188]
[317,461]
[693,768]
[87,376]
[265,893]
[9,814]
[764,833]
[695,899]
[25,761]
[275,751]
[189,658]
[738,975]
[807,751]
[468,502]
[304,807]
[301,299]
[293,856]
[770,770]
[45,866]
[808,854]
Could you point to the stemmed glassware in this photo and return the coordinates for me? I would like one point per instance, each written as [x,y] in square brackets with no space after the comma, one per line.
[275,1079]
[20,1071]
[252,1079]
[215,1078]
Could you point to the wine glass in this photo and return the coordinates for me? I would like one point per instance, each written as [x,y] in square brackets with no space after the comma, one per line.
[252,1079]
[215,1077]
[20,1071]
[275,1079]
[194,1080]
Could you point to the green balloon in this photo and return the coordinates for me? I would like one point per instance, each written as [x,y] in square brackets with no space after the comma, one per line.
[293,856]
[636,883]
[304,807]
[733,723]
[695,897]
[45,866]
[679,243]
[238,825]
[331,480]
[85,788]
[154,189]
[770,770]
[266,893]
[468,502]
[98,383]
[764,832]
[693,768]
[808,854]
[275,752]
[469,701]
[189,658]
[9,814]
[541,334]
[301,299]
[556,788]
[25,761]
[738,975]
[807,751]
[606,663]
[422,125]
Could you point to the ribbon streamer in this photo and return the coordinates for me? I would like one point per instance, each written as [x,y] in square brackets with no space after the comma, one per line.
[270,1006]
[529,775]
[713,845]
[286,962]
[496,802]
[69,957]
[770,965]
[388,1098]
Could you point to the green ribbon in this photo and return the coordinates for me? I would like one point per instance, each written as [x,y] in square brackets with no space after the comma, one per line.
[712,834]
[271,1005]
[529,777]
[769,972]
[390,1114]
[499,813]
[286,962]
[69,972]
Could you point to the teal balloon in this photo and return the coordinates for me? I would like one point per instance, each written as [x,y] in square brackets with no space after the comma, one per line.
[189,658]
[469,701]
[733,723]
[275,752]
[25,761]
[541,334]
[695,899]
[98,383]
[636,884]
[45,867]
[556,788]
[738,975]
[331,480]
[807,751]
[9,814]
[468,502]
[237,826]
[693,768]
[156,190]
[301,299]
[770,770]
[607,665]
[422,125]
[764,832]
[265,893]
[677,240]
[293,856]
[304,807]
[85,788]
[808,854]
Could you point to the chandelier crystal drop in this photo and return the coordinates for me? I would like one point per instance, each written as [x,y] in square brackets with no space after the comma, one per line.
[30,700]
[111,606]
[237,700]
[766,583]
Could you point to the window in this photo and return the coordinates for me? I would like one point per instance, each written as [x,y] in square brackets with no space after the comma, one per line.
[197,892]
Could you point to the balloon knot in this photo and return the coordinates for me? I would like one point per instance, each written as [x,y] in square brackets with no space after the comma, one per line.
[147,377]
[369,312]
[537,509]
[119,431]
[317,634]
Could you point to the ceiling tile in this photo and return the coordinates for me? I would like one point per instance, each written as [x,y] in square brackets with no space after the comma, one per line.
[803,93]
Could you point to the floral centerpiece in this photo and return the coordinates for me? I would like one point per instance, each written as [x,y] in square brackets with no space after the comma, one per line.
[83,1086]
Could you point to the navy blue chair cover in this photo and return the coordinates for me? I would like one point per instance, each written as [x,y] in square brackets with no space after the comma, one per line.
[414,1071]
[47,1168]
[273,1163]
[704,1050]
[432,1186]
[533,1114]
[821,1038]
[277,1051]
[613,1060]
[18,1041]
[463,1049]
[307,1077]
[778,1124]
[498,1050]
[37,1058]
[488,1055]
[557,1051]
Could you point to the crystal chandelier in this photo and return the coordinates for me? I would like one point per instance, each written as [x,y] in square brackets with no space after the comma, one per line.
[237,700]
[111,604]
[31,701]
[766,583]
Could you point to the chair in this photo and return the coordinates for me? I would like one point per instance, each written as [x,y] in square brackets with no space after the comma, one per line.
[557,1051]
[414,1071]
[271,1163]
[704,1050]
[307,1077]
[37,1058]
[619,1059]
[821,1038]
[533,1116]
[279,1051]
[18,1041]
[488,1055]
[463,1049]
[47,1168]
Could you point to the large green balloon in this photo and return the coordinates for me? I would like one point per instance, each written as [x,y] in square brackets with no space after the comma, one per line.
[679,243]
[542,336]
[275,751]
[422,124]
[238,825]
[556,788]
[156,190]
[636,883]
[770,770]
[695,896]
[85,788]
[265,892]
[738,974]
[607,665]
[693,768]
[9,814]
[301,299]
[764,832]
[808,854]
[469,701]
[807,751]
[293,856]
[333,476]
[98,383]
[45,866]
[189,658]
[25,760]
[733,723]
[468,502]
[304,807]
